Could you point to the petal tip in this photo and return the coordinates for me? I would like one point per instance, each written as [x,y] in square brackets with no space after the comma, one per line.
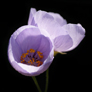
[83,29]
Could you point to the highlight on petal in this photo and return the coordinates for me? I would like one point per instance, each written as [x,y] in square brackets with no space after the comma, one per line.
[29,37]
[76,32]
[62,43]
[30,52]
[49,21]
[65,36]
[31,15]
[58,18]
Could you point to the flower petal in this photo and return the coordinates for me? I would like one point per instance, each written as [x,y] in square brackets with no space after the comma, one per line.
[15,45]
[14,51]
[32,70]
[58,18]
[30,37]
[32,12]
[46,43]
[62,43]
[45,47]
[76,32]
[47,22]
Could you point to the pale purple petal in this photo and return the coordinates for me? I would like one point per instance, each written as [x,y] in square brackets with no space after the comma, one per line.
[28,38]
[32,70]
[51,22]
[17,47]
[45,47]
[32,12]
[62,43]
[65,36]
[58,18]
[14,51]
[19,68]
[76,32]
[47,22]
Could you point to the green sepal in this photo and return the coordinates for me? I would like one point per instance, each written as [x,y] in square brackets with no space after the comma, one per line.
[55,53]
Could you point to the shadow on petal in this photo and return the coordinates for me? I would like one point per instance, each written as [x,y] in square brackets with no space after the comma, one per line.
[63,43]
[29,38]
[30,42]
[14,51]
[45,47]
[76,32]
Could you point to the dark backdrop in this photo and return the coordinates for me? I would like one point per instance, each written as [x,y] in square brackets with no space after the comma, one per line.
[67,72]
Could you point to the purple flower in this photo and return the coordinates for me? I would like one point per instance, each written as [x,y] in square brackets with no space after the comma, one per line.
[30,50]
[65,36]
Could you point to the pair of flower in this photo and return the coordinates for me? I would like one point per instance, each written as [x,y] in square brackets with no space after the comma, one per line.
[31,47]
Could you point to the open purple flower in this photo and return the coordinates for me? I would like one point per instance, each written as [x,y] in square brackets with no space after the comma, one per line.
[65,36]
[30,50]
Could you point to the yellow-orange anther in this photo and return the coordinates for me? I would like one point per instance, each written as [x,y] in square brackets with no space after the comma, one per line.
[32,50]
[40,54]
[23,55]
[27,51]
[33,59]
[30,61]
[39,63]
[21,58]
[23,61]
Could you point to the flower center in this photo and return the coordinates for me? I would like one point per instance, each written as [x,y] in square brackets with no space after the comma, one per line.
[32,58]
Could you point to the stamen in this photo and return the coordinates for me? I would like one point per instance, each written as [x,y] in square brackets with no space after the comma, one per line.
[32,50]
[27,51]
[28,58]
[33,59]
[30,61]
[39,63]
[24,55]
[39,54]
[21,58]
[23,61]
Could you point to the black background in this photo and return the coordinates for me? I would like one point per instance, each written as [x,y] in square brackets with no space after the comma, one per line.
[69,72]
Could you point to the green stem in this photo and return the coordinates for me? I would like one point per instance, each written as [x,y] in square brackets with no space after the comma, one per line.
[47,80]
[36,83]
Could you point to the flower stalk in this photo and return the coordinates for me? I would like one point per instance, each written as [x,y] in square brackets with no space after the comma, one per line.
[47,80]
[36,83]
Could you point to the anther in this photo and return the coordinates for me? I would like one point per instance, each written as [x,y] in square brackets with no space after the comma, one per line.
[32,50]
[23,61]
[39,54]
[21,58]
[27,51]
[24,55]
[33,59]
[30,61]
[39,63]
